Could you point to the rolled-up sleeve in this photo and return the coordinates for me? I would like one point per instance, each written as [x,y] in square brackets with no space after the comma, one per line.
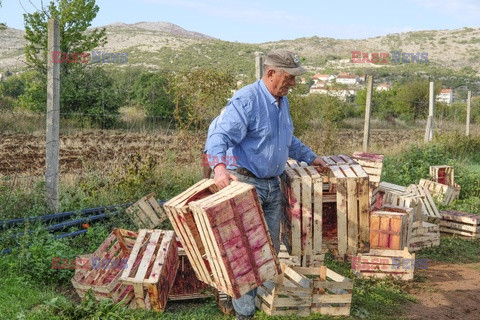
[230,129]
[301,152]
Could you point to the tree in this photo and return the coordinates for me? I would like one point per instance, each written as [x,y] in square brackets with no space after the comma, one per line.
[152,91]
[74,17]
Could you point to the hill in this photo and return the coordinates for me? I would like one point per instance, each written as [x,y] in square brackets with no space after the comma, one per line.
[163,45]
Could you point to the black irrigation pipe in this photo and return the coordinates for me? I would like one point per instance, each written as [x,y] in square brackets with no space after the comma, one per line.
[64,225]
[59,216]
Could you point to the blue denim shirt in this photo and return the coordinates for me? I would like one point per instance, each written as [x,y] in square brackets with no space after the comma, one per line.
[259,133]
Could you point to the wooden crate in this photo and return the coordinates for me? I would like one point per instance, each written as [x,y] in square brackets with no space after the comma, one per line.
[388,230]
[445,194]
[186,285]
[301,291]
[351,185]
[382,263]
[443,175]
[460,223]
[105,281]
[186,228]
[302,228]
[146,213]
[424,235]
[429,208]
[234,232]
[372,163]
[152,277]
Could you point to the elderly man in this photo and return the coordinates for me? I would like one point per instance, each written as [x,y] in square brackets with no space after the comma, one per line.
[257,129]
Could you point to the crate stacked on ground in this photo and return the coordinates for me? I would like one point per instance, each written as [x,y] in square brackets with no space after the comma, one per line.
[104,268]
[429,208]
[187,285]
[444,194]
[151,268]
[424,235]
[302,228]
[224,235]
[372,163]
[382,263]
[146,213]
[350,184]
[462,224]
[390,227]
[302,291]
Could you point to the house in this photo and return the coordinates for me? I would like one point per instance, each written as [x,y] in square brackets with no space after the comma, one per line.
[445,95]
[342,94]
[383,87]
[349,79]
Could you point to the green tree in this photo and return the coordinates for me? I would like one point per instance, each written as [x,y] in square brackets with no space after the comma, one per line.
[91,93]
[74,18]
[152,91]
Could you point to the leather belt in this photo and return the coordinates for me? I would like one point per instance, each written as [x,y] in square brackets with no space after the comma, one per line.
[248,173]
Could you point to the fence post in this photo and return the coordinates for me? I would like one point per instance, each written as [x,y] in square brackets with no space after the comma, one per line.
[469,101]
[258,65]
[368,106]
[429,127]
[53,117]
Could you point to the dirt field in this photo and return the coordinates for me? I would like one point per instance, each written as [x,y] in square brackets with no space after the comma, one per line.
[25,153]
[450,291]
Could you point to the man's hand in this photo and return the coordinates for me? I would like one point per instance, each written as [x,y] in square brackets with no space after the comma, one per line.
[223,176]
[320,163]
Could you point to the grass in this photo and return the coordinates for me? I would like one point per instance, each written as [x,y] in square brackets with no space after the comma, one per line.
[453,250]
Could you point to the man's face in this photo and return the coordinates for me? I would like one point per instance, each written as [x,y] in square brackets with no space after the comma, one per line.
[281,82]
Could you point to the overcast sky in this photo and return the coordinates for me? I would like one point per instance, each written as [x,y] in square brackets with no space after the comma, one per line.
[263,21]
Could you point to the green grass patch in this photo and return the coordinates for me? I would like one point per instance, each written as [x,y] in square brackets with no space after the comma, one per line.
[453,250]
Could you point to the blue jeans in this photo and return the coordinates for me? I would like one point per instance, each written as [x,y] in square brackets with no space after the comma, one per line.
[271,200]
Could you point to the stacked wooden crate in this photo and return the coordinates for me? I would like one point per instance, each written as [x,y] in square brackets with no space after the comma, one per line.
[444,194]
[390,227]
[302,228]
[102,278]
[443,174]
[151,268]
[225,236]
[429,208]
[372,163]
[302,291]
[460,223]
[424,235]
[381,263]
[351,185]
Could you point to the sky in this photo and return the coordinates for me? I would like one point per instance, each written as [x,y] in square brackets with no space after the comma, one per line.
[263,21]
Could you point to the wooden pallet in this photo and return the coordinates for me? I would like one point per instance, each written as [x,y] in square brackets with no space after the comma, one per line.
[429,208]
[443,175]
[424,235]
[351,184]
[152,277]
[105,281]
[186,285]
[388,230]
[186,228]
[302,228]
[235,235]
[300,291]
[372,163]
[460,223]
[380,263]
[146,213]
[444,194]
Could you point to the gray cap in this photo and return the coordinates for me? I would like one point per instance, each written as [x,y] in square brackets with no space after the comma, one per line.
[286,60]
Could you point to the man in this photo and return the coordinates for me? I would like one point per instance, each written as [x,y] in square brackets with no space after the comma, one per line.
[257,128]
